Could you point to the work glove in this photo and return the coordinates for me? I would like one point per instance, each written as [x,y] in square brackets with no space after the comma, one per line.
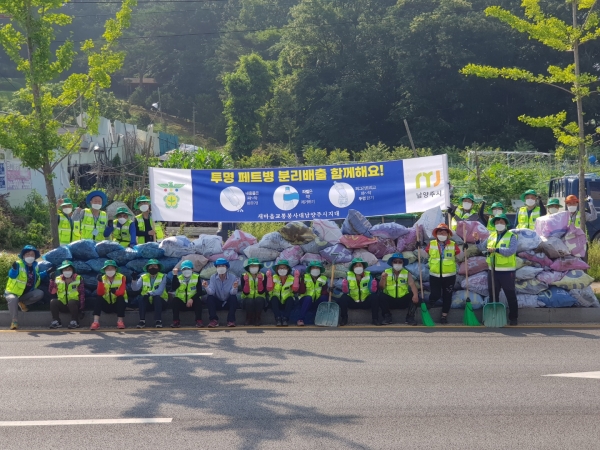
[135,276]
[465,247]
[345,289]
[15,266]
[113,290]
[111,224]
[99,277]
[451,209]
[589,199]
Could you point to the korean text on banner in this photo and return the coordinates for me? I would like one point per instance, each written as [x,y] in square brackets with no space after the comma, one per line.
[299,193]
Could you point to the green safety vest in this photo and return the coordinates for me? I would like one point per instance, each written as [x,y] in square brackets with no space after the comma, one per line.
[253,288]
[122,235]
[17,285]
[68,230]
[116,283]
[396,287]
[461,214]
[67,293]
[89,224]
[148,285]
[491,228]
[314,289]
[142,227]
[438,266]
[359,291]
[527,221]
[186,291]
[577,219]
[282,291]
[502,263]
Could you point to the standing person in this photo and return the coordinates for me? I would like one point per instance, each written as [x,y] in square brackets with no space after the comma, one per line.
[464,212]
[222,289]
[69,230]
[527,215]
[313,290]
[442,268]
[572,203]
[111,294]
[501,247]
[124,231]
[153,284]
[93,222]
[70,295]
[281,292]
[23,281]
[253,291]
[188,293]
[146,230]
[496,209]
[554,206]
[394,292]
[359,292]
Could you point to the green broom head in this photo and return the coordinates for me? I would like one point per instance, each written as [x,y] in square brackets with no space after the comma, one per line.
[426,317]
[469,319]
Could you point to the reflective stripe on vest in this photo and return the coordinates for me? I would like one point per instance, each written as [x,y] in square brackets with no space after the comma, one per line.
[187,290]
[122,235]
[527,221]
[282,291]
[253,287]
[148,285]
[68,230]
[461,214]
[142,227]
[89,223]
[116,283]
[445,266]
[502,263]
[314,289]
[577,220]
[398,287]
[359,291]
[67,294]
[16,286]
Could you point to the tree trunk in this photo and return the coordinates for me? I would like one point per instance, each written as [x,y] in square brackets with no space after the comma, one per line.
[51,194]
[582,156]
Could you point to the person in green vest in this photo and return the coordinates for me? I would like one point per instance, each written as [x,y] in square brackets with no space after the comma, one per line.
[124,231]
[465,211]
[313,289]
[496,209]
[553,206]
[501,248]
[281,289]
[153,285]
[69,289]
[572,203]
[146,230]
[188,293]
[253,292]
[534,208]
[68,229]
[111,294]
[394,290]
[93,222]
[359,290]
[24,278]
[442,268]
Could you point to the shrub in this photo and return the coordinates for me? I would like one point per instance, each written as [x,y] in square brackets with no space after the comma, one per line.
[259,229]
[28,224]
[6,260]
[594,260]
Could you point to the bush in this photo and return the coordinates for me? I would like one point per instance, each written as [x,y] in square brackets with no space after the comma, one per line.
[594,260]
[259,229]
[28,224]
[6,260]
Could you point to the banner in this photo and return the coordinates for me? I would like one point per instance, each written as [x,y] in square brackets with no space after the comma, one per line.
[299,193]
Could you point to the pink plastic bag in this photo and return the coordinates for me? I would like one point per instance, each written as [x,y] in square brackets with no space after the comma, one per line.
[292,254]
[576,241]
[382,247]
[477,283]
[539,258]
[550,276]
[308,257]
[239,240]
[408,242]
[471,226]
[476,265]
[569,263]
[356,241]
[552,225]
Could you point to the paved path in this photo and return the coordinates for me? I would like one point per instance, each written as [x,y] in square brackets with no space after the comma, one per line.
[303,389]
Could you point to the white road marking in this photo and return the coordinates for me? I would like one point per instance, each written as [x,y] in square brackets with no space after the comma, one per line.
[109,355]
[577,375]
[37,423]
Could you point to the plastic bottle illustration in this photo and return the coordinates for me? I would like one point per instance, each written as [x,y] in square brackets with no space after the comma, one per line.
[288,199]
[232,197]
[342,195]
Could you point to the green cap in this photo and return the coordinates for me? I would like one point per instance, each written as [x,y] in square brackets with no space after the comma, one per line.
[501,216]
[497,205]
[141,199]
[66,263]
[110,262]
[554,201]
[282,262]
[122,210]
[467,197]
[253,262]
[154,261]
[528,192]
[66,202]
[357,260]
[316,264]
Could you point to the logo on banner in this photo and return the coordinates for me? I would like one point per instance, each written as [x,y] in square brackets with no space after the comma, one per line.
[171,199]
[427,177]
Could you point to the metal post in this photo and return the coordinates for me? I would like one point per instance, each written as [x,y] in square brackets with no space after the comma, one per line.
[194,126]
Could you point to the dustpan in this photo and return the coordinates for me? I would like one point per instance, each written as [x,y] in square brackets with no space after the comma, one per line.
[494,314]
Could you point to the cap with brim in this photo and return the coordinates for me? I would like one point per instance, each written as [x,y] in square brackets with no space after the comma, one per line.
[187,264]
[356,261]
[253,262]
[497,205]
[141,199]
[122,210]
[283,262]
[441,227]
[501,216]
[66,202]
[110,262]
[222,262]
[526,193]
[93,194]
[397,256]
[154,262]
[316,264]
[30,248]
[65,264]
[554,202]
[467,197]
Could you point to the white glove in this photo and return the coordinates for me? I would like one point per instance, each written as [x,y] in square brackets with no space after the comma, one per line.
[589,199]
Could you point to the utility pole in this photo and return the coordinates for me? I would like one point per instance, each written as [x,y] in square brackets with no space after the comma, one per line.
[194,125]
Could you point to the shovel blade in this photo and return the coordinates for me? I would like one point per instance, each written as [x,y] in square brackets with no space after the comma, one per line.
[494,315]
[328,315]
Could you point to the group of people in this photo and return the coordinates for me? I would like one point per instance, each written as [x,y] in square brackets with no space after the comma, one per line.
[93,223]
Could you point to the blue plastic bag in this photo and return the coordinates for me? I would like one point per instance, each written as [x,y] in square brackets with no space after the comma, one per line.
[81,267]
[90,281]
[96,264]
[123,256]
[124,270]
[58,255]
[83,250]
[45,266]
[105,247]
[150,250]
[169,263]
[137,265]
[556,298]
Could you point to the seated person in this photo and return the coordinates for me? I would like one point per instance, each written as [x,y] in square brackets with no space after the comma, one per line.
[188,293]
[222,291]
[154,294]
[253,291]
[281,289]
[69,291]
[313,289]
[111,294]
[359,292]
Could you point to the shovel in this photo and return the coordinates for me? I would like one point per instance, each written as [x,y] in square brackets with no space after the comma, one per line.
[469,318]
[425,316]
[494,314]
[328,314]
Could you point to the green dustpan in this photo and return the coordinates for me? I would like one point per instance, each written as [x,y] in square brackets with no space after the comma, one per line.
[494,315]
[426,317]
[328,315]
[469,318]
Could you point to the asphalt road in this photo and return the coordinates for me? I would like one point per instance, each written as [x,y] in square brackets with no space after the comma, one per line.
[305,389]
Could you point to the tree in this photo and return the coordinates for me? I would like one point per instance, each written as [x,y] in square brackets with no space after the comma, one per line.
[34,136]
[562,36]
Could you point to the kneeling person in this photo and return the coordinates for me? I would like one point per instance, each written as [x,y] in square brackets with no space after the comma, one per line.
[188,292]
[394,286]
[359,290]
[154,295]
[112,294]
[69,290]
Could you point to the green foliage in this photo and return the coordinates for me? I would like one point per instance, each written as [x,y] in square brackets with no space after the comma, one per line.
[200,159]
[25,225]
[594,260]
[338,156]
[271,156]
[6,261]
[314,156]
[259,229]
[35,209]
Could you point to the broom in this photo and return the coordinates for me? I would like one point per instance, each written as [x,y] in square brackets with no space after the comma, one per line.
[425,316]
[469,318]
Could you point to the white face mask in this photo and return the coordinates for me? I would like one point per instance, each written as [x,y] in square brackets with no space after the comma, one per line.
[315,272]
[552,210]
[29,259]
[253,270]
[467,206]
[496,212]
[67,211]
[110,273]
[122,220]
[282,272]
[442,238]
[96,206]
[500,227]
[397,267]
[529,202]
[572,208]
[221,270]
[67,274]
[187,273]
[358,270]
[144,208]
